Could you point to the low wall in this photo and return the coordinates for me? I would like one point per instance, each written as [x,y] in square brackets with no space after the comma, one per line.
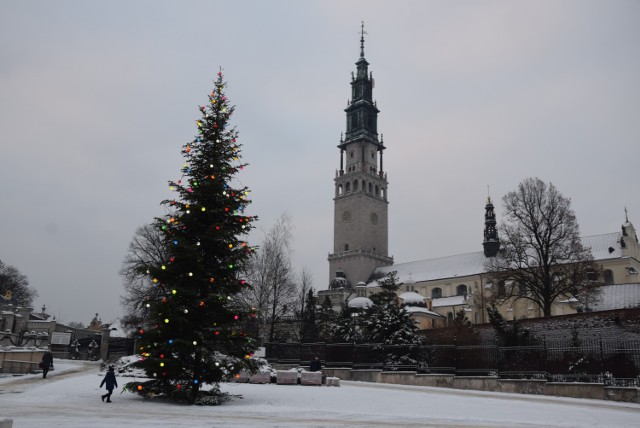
[490,383]
[20,361]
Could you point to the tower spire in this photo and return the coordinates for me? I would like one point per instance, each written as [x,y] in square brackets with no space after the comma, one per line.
[491,242]
[362,33]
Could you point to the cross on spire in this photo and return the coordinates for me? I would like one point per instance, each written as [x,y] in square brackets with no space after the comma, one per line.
[362,33]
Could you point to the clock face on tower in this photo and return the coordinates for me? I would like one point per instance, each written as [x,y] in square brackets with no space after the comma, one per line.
[374,218]
[346,216]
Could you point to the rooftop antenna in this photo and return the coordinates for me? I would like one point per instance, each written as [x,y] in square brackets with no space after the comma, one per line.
[626,214]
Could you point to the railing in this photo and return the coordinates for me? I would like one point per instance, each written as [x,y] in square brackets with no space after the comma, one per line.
[609,362]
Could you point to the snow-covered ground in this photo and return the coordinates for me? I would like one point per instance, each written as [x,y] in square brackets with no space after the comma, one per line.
[70,397]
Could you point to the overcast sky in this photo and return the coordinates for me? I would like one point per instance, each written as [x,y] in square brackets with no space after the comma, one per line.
[97,98]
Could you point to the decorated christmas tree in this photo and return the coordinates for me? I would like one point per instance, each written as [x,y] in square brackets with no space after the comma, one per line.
[195,336]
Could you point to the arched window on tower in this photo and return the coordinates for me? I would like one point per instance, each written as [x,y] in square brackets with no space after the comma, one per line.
[461,290]
[339,190]
[382,193]
[355,185]
[346,247]
[370,187]
[436,293]
[377,192]
[347,187]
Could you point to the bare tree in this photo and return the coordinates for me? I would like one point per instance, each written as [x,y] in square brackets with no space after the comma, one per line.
[542,258]
[305,311]
[146,249]
[273,291]
[14,286]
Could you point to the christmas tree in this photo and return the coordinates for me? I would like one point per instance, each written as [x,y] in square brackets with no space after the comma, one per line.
[195,335]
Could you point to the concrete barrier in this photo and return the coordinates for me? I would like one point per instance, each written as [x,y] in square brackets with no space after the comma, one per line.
[242,377]
[333,381]
[311,378]
[286,377]
[261,377]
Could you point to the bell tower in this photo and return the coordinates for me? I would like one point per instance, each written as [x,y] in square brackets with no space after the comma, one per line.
[360,231]
[491,242]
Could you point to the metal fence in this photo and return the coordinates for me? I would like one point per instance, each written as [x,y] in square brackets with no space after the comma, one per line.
[609,362]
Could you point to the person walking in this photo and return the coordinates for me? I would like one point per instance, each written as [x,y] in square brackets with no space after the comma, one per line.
[46,363]
[110,381]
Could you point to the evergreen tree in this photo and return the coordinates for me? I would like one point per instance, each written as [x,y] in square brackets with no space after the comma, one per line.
[310,333]
[344,329]
[195,334]
[510,333]
[391,327]
[326,318]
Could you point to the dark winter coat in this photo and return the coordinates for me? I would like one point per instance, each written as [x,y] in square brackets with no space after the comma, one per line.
[110,380]
[315,365]
[47,359]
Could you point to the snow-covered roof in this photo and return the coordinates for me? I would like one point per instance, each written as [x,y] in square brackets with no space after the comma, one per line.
[419,310]
[448,301]
[339,282]
[410,297]
[432,269]
[605,246]
[619,296]
[360,303]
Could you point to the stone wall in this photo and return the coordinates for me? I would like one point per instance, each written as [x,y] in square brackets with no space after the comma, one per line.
[615,325]
[491,383]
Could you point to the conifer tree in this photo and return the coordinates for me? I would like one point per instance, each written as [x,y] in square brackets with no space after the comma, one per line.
[310,329]
[391,327]
[195,335]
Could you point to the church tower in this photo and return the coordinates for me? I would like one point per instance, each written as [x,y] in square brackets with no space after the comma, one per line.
[360,231]
[491,242]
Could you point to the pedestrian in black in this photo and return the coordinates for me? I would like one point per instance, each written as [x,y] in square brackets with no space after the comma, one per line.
[110,381]
[315,365]
[46,363]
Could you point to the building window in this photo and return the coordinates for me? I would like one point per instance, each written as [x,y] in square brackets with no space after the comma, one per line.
[377,191]
[339,190]
[461,290]
[592,275]
[436,293]
[502,289]
[348,187]
[608,277]
[346,247]
[370,188]
[355,186]
[522,289]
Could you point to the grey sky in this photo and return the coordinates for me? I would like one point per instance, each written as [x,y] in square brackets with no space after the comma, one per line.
[96,99]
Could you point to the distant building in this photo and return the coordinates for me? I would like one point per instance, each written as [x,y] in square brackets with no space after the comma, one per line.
[434,290]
